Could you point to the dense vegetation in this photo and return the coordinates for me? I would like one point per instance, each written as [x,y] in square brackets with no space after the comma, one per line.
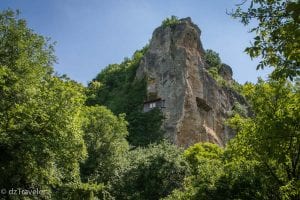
[74,142]
[41,139]
[214,67]
[170,22]
[151,173]
[277,38]
[117,88]
[262,161]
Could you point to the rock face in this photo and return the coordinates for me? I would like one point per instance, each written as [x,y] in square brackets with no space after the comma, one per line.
[226,72]
[195,106]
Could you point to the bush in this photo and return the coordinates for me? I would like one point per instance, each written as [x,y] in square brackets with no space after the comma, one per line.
[105,138]
[214,63]
[213,59]
[170,22]
[116,88]
[153,173]
[80,191]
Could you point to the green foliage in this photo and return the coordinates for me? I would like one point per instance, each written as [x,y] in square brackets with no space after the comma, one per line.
[145,128]
[213,71]
[214,63]
[46,131]
[213,59]
[277,39]
[236,86]
[105,137]
[81,191]
[170,22]
[242,179]
[117,88]
[272,135]
[153,173]
[219,175]
[200,152]
[238,109]
[205,161]
[41,140]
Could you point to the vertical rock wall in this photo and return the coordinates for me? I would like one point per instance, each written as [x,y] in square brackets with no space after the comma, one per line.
[195,106]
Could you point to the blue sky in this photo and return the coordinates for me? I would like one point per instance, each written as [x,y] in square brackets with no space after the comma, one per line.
[91,34]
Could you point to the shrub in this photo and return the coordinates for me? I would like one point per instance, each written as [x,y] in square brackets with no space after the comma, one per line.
[213,59]
[170,22]
[153,173]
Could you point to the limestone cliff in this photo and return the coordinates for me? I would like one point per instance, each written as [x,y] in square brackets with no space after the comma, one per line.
[195,106]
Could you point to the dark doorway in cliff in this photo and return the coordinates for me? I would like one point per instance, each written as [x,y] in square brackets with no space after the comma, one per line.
[202,105]
[205,112]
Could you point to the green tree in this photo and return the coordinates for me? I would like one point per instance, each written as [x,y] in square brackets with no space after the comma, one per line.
[205,161]
[153,172]
[145,128]
[105,137]
[214,68]
[212,59]
[277,39]
[202,152]
[272,135]
[117,88]
[41,140]
[170,22]
[219,175]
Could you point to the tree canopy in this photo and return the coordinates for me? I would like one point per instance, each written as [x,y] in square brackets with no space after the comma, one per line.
[152,172]
[272,135]
[94,142]
[277,34]
[40,135]
[117,88]
[105,137]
